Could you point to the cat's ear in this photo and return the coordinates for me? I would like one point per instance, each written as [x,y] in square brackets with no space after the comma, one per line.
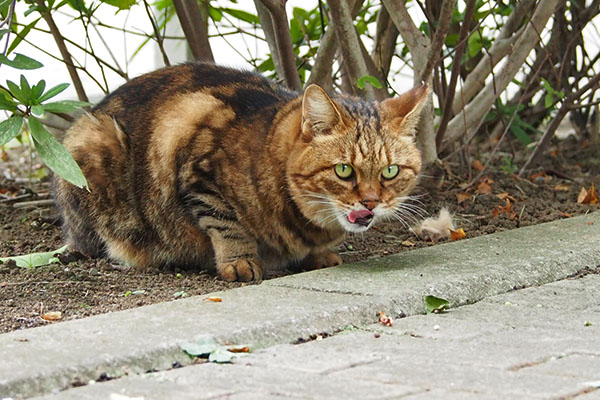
[402,112]
[319,114]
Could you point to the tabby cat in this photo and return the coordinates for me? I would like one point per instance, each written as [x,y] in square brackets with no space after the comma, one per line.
[200,165]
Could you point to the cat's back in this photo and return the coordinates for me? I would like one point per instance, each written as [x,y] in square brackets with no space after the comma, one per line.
[146,98]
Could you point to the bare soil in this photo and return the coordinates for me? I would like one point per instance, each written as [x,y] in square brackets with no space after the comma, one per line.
[86,287]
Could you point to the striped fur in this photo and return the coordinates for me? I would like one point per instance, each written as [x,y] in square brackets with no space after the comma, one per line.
[204,165]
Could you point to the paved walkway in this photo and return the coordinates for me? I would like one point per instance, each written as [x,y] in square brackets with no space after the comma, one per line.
[542,341]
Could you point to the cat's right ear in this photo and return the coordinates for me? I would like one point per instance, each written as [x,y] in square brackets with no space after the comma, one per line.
[319,114]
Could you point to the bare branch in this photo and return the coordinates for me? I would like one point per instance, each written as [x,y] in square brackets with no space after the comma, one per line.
[439,37]
[157,35]
[341,19]
[321,69]
[267,26]
[194,22]
[386,35]
[473,114]
[502,45]
[567,105]
[456,66]
[284,42]
[62,47]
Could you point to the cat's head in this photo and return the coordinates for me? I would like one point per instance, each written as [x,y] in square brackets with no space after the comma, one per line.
[356,161]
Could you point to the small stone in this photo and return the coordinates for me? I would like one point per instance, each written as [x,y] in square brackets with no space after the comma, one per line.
[436,327]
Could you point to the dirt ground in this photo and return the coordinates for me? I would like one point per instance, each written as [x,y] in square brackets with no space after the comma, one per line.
[496,202]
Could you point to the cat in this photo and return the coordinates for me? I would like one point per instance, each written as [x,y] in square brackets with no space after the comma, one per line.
[203,165]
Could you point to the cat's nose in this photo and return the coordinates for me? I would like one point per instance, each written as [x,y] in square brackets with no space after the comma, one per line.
[370,199]
[370,204]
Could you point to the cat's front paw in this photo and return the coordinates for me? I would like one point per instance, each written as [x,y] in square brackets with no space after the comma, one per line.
[243,270]
[325,259]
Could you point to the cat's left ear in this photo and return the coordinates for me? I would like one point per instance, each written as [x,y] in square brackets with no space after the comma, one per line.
[403,112]
[319,113]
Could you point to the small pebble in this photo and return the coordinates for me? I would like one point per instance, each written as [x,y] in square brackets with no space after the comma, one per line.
[377,335]
[436,327]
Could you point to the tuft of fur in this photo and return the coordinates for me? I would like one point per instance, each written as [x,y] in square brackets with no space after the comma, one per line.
[434,229]
[203,165]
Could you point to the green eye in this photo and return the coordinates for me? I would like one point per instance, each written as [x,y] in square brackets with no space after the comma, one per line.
[344,171]
[390,171]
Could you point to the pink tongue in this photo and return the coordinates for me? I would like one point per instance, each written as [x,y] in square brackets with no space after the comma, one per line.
[354,215]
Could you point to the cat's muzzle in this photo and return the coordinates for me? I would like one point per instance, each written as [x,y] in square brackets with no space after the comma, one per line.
[361,217]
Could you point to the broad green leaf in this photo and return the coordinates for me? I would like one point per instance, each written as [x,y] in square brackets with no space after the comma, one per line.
[20,36]
[26,90]
[520,134]
[37,91]
[20,62]
[35,259]
[6,101]
[54,154]
[4,5]
[371,80]
[38,110]
[201,345]
[242,15]
[435,304]
[16,91]
[10,128]
[215,14]
[548,100]
[65,106]
[53,91]
[120,4]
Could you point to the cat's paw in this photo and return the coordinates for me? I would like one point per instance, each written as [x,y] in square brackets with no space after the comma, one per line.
[243,270]
[325,259]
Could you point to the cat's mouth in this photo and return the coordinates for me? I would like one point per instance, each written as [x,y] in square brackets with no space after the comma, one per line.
[361,218]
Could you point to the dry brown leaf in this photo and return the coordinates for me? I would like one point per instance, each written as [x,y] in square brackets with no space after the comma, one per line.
[458,234]
[540,176]
[565,214]
[505,195]
[52,316]
[561,188]
[244,349]
[214,299]
[484,188]
[478,165]
[384,319]
[588,196]
[407,243]
[460,197]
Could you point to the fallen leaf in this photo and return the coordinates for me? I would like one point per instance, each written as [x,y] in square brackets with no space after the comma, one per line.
[588,196]
[561,188]
[35,259]
[460,197]
[407,243]
[478,165]
[565,214]
[484,188]
[457,234]
[554,153]
[505,195]
[506,209]
[540,176]
[435,304]
[384,319]
[239,349]
[214,299]
[52,316]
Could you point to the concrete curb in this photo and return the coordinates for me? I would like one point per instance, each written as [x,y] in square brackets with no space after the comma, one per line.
[55,357]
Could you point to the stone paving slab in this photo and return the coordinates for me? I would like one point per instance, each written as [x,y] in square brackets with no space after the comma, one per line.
[46,359]
[457,355]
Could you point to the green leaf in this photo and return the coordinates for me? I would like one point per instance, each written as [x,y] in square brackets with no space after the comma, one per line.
[37,90]
[201,345]
[53,91]
[6,101]
[25,90]
[548,100]
[20,36]
[215,14]
[35,259]
[16,91]
[55,155]
[4,5]
[520,134]
[20,62]
[371,80]
[10,128]
[435,304]
[242,15]
[37,110]
[222,356]
[65,106]
[120,4]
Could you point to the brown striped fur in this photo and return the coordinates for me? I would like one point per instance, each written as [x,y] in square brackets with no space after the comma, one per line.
[198,165]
